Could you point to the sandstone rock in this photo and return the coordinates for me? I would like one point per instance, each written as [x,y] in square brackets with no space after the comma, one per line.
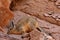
[5,17]
[5,3]
[48,10]
[6,37]
[38,8]
[5,13]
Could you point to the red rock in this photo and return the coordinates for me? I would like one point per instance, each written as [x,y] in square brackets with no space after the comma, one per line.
[5,3]
[5,17]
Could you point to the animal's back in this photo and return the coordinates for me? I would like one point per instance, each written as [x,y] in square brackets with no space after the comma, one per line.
[25,24]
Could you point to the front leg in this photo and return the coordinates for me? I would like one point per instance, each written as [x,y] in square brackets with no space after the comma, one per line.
[10,26]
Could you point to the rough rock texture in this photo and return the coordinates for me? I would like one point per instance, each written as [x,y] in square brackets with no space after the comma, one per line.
[5,3]
[46,12]
[34,34]
[6,37]
[5,14]
[42,9]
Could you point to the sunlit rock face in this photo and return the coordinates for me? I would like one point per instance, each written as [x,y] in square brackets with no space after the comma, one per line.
[6,15]
[5,3]
[38,8]
[19,19]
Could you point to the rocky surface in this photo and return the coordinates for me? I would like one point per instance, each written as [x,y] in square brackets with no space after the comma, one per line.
[46,13]
[6,15]
[39,8]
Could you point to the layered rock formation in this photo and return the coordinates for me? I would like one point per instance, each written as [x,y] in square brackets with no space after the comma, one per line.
[42,9]
[46,13]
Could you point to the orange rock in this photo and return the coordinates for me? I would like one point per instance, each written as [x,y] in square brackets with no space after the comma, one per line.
[5,17]
[5,14]
[5,3]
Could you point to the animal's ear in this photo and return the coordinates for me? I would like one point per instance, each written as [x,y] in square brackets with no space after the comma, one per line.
[11,25]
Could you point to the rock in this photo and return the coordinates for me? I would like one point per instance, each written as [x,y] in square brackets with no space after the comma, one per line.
[5,17]
[5,3]
[5,13]
[45,13]
[37,8]
[6,37]
[57,3]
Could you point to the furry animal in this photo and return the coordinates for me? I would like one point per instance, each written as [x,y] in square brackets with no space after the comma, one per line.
[24,25]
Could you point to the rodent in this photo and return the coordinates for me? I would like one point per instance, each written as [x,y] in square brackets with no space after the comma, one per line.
[24,25]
